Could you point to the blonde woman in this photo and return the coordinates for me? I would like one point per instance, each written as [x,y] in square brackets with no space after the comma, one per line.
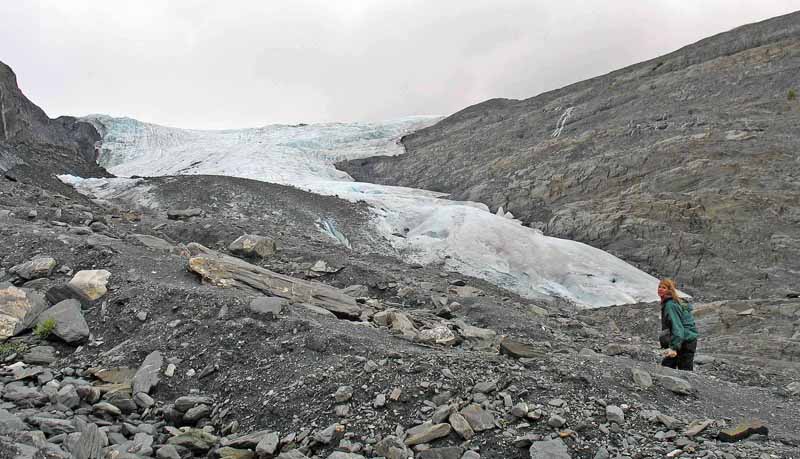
[678,330]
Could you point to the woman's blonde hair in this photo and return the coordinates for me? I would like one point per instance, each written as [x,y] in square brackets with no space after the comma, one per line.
[669,284]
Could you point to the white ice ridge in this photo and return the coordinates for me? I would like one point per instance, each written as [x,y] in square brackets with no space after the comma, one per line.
[463,236]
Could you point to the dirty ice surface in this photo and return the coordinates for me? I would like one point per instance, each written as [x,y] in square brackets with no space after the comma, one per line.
[421,225]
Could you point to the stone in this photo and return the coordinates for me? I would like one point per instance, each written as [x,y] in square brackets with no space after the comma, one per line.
[19,308]
[195,414]
[478,418]
[519,350]
[550,449]
[471,455]
[91,283]
[187,402]
[293,454]
[167,452]
[268,305]
[10,423]
[153,243]
[696,427]
[146,376]
[380,401]
[70,324]
[253,246]
[196,440]
[143,400]
[326,435]
[227,452]
[602,453]
[183,214]
[343,394]
[478,338]
[520,410]
[676,385]
[641,378]
[461,426]
[90,445]
[426,432]
[34,269]
[451,452]
[107,409]
[485,387]
[267,446]
[344,455]
[52,426]
[556,421]
[59,293]
[743,430]
[40,355]
[668,421]
[615,414]
[247,441]
[68,396]
[392,448]
[793,388]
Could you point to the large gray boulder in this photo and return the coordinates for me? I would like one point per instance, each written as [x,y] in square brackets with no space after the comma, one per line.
[550,449]
[70,324]
[253,246]
[34,269]
[19,309]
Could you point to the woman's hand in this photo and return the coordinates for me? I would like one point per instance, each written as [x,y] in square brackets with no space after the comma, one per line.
[670,353]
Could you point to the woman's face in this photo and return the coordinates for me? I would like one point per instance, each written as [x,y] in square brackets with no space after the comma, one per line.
[662,292]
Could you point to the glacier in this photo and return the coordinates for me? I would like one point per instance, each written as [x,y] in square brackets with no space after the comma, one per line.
[422,226]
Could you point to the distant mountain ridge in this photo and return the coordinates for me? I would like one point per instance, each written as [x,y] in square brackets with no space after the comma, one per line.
[685,165]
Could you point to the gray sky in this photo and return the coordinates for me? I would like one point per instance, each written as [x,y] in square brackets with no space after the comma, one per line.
[215,64]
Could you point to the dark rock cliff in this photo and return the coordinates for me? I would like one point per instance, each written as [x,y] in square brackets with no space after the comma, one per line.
[38,145]
[687,165]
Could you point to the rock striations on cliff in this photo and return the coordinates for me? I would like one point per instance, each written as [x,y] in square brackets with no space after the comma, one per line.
[685,165]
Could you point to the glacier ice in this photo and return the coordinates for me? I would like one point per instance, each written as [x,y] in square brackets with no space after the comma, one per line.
[423,226]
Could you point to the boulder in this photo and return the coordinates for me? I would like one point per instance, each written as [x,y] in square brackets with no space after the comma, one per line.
[479,338]
[426,433]
[10,423]
[91,283]
[519,350]
[35,268]
[478,418]
[269,305]
[253,246]
[743,430]
[70,324]
[550,449]
[146,376]
[677,385]
[40,355]
[19,309]
[392,448]
[641,378]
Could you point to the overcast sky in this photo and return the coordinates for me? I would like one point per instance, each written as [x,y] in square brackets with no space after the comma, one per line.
[215,64]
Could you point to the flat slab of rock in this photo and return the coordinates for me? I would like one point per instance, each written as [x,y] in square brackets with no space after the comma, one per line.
[519,350]
[551,449]
[478,418]
[19,308]
[452,452]
[231,272]
[426,432]
[152,242]
[641,378]
[10,423]
[146,376]
[40,355]
[34,269]
[91,283]
[743,430]
[479,338]
[68,317]
[183,214]
[270,305]
[674,384]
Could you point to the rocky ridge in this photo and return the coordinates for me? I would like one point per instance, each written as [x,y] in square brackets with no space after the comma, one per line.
[684,165]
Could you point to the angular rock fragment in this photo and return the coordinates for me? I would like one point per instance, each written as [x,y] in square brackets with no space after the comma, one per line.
[19,308]
[392,448]
[519,350]
[550,449]
[34,269]
[478,418]
[426,432]
[743,430]
[641,378]
[70,325]
[91,283]
[253,246]
[146,376]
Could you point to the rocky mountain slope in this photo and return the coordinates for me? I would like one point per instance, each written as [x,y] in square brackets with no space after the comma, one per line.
[685,165]
[230,322]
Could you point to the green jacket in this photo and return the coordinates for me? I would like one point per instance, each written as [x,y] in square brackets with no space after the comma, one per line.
[681,323]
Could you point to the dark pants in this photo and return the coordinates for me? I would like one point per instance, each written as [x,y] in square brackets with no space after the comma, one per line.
[685,358]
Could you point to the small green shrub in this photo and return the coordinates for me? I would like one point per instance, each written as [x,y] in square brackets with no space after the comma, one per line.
[45,328]
[791,95]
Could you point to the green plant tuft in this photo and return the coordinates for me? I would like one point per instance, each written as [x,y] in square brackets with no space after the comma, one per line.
[45,328]
[791,95]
